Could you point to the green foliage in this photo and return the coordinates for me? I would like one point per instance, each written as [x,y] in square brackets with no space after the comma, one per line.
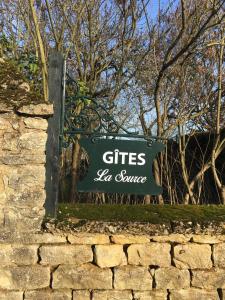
[29,64]
[83,89]
[78,95]
[83,93]
[4,44]
[26,62]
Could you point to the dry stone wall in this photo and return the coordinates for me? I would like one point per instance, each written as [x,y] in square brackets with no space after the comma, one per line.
[85,266]
[23,136]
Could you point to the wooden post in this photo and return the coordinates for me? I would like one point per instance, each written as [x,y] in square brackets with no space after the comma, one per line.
[55,84]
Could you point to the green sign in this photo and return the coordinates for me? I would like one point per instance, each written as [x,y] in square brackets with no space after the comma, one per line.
[120,166]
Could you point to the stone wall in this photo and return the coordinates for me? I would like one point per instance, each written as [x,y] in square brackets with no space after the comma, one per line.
[117,267]
[22,166]
[83,266]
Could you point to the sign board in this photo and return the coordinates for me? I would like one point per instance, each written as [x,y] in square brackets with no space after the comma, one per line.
[120,166]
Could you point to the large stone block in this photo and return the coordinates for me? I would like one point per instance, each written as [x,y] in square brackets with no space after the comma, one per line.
[42,109]
[208,279]
[11,142]
[24,278]
[219,255]
[157,254]
[18,219]
[173,238]
[193,256]
[132,277]
[11,295]
[48,294]
[194,294]
[22,178]
[206,239]
[81,295]
[18,255]
[112,295]
[172,278]
[66,254]
[82,277]
[88,238]
[33,140]
[129,239]
[150,295]
[31,238]
[109,256]
[36,123]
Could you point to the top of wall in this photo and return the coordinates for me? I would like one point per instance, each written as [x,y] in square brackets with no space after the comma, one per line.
[17,95]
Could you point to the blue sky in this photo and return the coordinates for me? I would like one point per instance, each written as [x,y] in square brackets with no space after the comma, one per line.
[154,5]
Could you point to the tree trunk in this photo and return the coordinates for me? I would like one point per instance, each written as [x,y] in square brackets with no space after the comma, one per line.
[75,164]
[158,179]
[147,199]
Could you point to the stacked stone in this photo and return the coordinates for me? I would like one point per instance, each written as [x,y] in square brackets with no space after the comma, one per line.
[22,166]
[120,267]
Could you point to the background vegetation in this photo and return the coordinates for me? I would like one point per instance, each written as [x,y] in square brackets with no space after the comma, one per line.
[160,62]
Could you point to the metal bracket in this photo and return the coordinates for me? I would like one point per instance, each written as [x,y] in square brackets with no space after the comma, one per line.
[85,116]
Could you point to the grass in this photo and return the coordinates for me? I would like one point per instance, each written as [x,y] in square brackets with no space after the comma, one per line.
[156,214]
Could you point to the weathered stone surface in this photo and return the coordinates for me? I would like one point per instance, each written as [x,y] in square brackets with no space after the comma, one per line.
[27,198]
[109,256]
[23,219]
[18,255]
[82,277]
[11,295]
[81,295]
[36,123]
[2,217]
[66,254]
[48,294]
[172,278]
[21,178]
[112,295]
[149,254]
[88,238]
[219,255]
[5,123]
[221,237]
[24,278]
[223,294]
[150,295]
[11,141]
[194,294]
[206,239]
[5,108]
[132,277]
[23,158]
[174,238]
[193,256]
[41,109]
[33,141]
[2,189]
[31,238]
[25,86]
[129,239]
[208,279]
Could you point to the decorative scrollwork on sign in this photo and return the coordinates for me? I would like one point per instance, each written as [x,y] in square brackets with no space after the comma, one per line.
[83,115]
[87,116]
